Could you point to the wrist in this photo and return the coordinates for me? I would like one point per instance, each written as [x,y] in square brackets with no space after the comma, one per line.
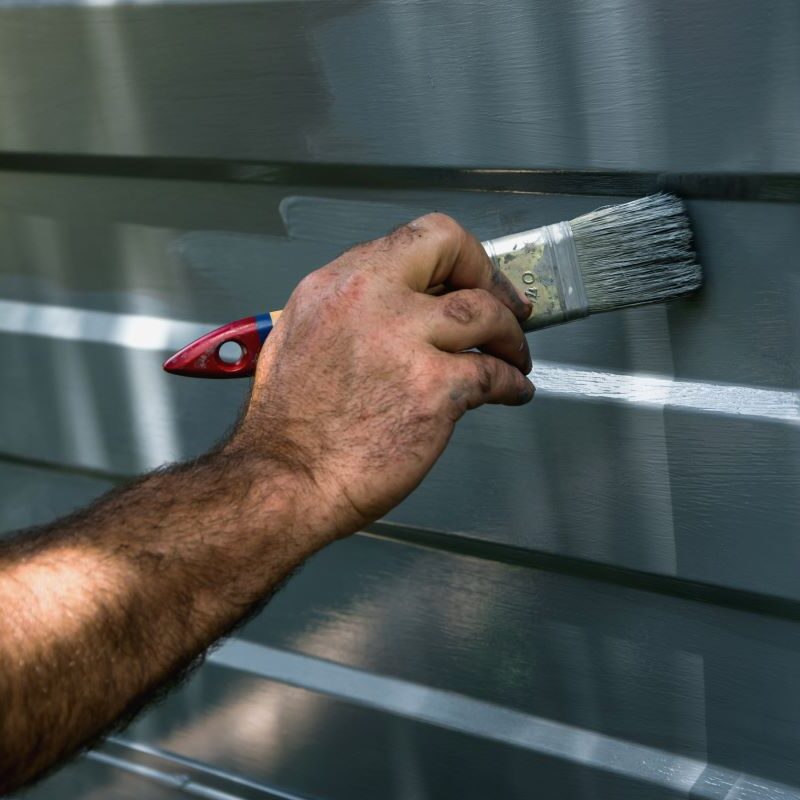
[277,497]
[305,470]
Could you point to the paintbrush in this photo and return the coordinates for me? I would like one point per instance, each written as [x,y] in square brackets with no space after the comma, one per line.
[615,257]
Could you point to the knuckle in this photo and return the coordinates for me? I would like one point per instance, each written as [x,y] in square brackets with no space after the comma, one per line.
[403,235]
[432,224]
[463,307]
[351,284]
[312,283]
[438,223]
[483,375]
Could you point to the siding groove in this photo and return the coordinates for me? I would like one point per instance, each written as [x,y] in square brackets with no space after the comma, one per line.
[733,186]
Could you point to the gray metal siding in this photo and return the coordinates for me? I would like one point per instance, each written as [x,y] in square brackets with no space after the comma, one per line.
[664,85]
[594,596]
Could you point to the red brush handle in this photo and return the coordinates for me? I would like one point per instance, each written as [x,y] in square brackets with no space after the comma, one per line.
[202,359]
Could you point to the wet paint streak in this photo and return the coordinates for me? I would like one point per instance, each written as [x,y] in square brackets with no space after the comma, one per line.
[647,390]
[162,334]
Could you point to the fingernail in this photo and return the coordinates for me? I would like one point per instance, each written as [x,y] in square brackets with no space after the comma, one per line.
[523,345]
[526,395]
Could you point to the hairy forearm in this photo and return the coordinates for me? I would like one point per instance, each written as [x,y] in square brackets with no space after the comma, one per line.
[356,394]
[102,608]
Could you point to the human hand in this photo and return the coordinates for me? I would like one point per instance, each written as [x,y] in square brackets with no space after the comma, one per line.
[360,384]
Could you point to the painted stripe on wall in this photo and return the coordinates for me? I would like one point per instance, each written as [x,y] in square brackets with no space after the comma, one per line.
[649,390]
[164,335]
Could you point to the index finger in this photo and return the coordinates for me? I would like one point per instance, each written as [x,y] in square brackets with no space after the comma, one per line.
[440,251]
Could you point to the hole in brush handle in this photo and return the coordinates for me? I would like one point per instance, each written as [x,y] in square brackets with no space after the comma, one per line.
[230,352]
[209,356]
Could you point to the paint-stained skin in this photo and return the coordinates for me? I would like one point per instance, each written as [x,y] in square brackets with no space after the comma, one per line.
[502,282]
[459,308]
[401,234]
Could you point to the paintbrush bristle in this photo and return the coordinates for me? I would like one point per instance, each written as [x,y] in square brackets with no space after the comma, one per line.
[637,252]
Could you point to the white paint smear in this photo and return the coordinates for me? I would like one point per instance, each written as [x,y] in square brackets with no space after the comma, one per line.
[650,390]
[166,335]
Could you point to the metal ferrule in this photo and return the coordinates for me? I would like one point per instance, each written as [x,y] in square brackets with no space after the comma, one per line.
[543,264]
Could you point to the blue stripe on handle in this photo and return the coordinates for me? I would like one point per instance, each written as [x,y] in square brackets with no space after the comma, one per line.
[263,326]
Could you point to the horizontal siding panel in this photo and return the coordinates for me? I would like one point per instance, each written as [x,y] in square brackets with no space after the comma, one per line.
[706,689]
[668,491]
[690,678]
[293,739]
[569,85]
[92,243]
[676,491]
[606,465]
